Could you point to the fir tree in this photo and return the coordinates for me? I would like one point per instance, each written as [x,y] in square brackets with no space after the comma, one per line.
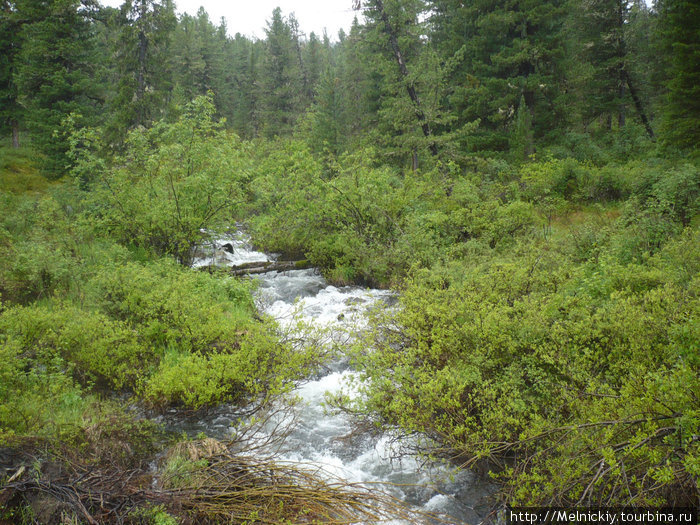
[282,80]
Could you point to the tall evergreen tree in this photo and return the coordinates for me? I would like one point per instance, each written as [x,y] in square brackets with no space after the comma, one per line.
[241,82]
[326,115]
[316,59]
[55,72]
[360,85]
[680,32]
[198,49]
[394,33]
[144,74]
[501,52]
[599,28]
[281,83]
[606,88]
[10,110]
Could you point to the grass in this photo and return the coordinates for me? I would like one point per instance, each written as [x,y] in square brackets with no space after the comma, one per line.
[19,172]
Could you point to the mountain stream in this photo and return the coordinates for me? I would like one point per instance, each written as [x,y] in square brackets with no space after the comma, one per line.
[326,439]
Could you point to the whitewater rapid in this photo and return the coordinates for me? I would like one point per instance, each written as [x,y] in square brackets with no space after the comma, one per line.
[325,438]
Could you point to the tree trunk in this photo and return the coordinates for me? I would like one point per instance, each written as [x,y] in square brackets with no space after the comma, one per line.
[15,133]
[638,106]
[621,117]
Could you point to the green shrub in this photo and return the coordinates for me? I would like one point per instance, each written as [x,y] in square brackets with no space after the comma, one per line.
[565,178]
[173,306]
[257,368]
[36,401]
[549,370]
[173,181]
[93,347]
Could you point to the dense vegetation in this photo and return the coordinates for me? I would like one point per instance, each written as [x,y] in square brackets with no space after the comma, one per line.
[525,174]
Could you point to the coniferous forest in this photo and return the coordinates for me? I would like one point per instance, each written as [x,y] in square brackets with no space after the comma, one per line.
[523,174]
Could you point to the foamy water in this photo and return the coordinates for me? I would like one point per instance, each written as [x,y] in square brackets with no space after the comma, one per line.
[328,439]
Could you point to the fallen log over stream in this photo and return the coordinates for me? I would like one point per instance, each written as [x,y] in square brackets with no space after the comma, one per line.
[259,267]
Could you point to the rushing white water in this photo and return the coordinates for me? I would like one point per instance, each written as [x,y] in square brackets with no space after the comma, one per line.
[227,251]
[326,438]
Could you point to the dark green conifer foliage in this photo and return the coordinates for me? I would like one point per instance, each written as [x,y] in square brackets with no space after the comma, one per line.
[610,79]
[393,38]
[282,80]
[360,88]
[314,59]
[502,51]
[241,81]
[199,58]
[600,32]
[681,36]
[144,71]
[10,110]
[522,139]
[327,115]
[55,72]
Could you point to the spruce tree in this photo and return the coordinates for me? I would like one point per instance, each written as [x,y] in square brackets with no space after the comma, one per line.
[360,85]
[502,52]
[282,81]
[326,115]
[55,72]
[242,69]
[10,110]
[394,42]
[143,58]
[680,33]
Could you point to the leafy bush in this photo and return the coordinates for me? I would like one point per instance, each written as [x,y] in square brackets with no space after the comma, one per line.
[173,181]
[36,401]
[369,225]
[173,306]
[575,382]
[93,347]
[256,367]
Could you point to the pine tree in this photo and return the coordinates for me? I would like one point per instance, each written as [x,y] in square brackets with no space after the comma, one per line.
[360,85]
[501,52]
[606,85]
[241,68]
[316,61]
[394,34]
[599,28]
[198,49]
[326,115]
